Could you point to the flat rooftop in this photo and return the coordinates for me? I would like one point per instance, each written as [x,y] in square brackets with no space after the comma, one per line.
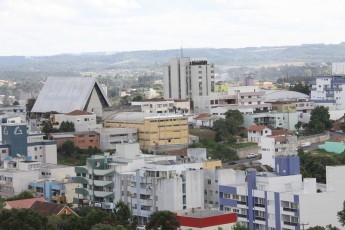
[200,213]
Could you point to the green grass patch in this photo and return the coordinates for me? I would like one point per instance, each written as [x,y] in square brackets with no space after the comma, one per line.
[242,145]
[72,160]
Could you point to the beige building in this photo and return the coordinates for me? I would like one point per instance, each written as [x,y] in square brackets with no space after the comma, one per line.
[156,132]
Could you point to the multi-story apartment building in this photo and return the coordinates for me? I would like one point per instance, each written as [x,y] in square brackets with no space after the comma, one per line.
[247,98]
[283,200]
[279,145]
[272,120]
[146,182]
[328,91]
[186,78]
[158,105]
[110,137]
[16,174]
[82,120]
[17,142]
[156,132]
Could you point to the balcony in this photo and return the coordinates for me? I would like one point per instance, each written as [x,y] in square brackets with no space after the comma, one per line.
[81,180]
[260,218]
[81,169]
[260,205]
[59,199]
[242,202]
[242,215]
[146,202]
[290,223]
[290,209]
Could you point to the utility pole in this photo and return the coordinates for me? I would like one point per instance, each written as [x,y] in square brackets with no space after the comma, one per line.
[302,224]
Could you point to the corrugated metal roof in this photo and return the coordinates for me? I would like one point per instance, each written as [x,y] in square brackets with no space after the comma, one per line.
[66,94]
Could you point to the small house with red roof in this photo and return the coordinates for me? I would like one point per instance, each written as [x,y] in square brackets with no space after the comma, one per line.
[25,203]
[255,132]
[205,120]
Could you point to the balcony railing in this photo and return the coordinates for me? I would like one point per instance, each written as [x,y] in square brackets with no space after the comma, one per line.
[290,223]
[290,209]
[260,205]
[260,218]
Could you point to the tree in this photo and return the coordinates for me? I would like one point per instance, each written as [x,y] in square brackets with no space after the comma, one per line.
[22,219]
[30,103]
[15,103]
[341,215]
[66,222]
[123,216]
[328,227]
[233,119]
[319,119]
[163,220]
[68,148]
[298,125]
[106,227]
[21,196]
[47,127]
[67,126]
[238,226]
[137,98]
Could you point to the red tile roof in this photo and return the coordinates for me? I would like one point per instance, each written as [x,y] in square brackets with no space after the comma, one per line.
[280,138]
[78,113]
[203,116]
[279,132]
[256,127]
[26,203]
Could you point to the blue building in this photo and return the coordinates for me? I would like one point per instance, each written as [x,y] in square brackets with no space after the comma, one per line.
[52,191]
[16,142]
[266,201]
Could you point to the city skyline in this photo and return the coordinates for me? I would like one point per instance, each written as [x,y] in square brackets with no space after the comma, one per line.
[36,27]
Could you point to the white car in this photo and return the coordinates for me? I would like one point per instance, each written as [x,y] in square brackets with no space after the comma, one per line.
[252,155]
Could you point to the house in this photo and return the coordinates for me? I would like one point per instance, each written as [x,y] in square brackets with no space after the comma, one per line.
[205,219]
[25,203]
[204,119]
[255,132]
[51,209]
[66,94]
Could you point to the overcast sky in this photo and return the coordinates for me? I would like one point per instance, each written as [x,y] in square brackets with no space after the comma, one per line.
[47,27]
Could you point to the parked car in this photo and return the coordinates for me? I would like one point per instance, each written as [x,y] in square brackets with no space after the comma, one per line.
[252,155]
[305,144]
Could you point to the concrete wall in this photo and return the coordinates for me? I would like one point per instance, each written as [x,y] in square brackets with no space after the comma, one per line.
[313,139]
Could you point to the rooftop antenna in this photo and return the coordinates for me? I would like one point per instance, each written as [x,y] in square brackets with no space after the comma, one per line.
[181,49]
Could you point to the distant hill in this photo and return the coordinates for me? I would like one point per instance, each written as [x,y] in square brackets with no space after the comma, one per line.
[155,59]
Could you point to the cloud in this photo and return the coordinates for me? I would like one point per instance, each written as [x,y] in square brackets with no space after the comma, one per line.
[38,27]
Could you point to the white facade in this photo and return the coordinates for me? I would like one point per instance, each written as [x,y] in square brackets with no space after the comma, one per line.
[256,135]
[186,78]
[178,106]
[214,178]
[145,182]
[273,146]
[42,150]
[110,137]
[328,91]
[81,123]
[273,120]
